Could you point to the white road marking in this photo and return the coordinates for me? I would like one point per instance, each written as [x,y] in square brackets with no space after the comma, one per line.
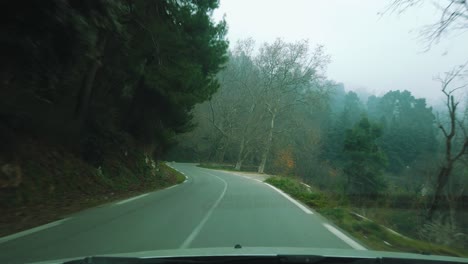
[305,209]
[32,230]
[246,177]
[171,187]
[197,229]
[344,237]
[186,178]
[131,199]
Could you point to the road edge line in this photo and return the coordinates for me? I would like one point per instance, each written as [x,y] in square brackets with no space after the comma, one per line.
[294,201]
[131,199]
[343,237]
[32,230]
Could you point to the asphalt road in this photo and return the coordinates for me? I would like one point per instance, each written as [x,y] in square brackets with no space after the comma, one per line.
[211,209]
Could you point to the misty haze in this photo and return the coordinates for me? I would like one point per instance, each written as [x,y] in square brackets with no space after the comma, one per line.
[211,131]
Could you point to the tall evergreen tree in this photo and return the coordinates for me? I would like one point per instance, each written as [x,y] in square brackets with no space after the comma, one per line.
[365,160]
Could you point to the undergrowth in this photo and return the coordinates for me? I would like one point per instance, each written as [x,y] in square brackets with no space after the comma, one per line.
[370,233]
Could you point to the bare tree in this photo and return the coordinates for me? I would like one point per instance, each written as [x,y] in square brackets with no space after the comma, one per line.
[258,88]
[224,109]
[234,110]
[453,17]
[248,83]
[455,190]
[449,131]
[286,70]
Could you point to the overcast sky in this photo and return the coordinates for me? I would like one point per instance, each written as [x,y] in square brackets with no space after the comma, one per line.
[370,51]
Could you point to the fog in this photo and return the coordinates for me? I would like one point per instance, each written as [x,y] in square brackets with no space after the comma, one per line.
[370,51]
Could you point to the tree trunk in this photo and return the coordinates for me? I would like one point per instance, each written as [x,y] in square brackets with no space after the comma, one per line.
[84,95]
[221,151]
[261,167]
[240,155]
[238,165]
[453,207]
[442,180]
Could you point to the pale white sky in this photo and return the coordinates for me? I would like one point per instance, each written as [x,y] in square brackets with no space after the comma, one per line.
[378,53]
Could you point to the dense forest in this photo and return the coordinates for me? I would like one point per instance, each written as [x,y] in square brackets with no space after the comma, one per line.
[93,92]
[277,112]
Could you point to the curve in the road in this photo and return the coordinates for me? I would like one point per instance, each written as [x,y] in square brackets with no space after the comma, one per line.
[210,209]
[195,232]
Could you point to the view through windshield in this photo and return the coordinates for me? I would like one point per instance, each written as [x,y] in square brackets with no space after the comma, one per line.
[186,127]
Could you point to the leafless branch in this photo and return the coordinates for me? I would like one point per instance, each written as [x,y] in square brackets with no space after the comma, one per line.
[212,120]
[453,16]
[462,150]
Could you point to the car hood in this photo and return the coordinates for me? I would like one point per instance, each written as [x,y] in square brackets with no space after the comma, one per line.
[271,251]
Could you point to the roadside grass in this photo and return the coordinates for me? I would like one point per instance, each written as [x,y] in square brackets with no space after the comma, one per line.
[171,174]
[308,195]
[371,234]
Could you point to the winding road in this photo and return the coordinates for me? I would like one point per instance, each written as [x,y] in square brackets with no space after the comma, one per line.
[210,209]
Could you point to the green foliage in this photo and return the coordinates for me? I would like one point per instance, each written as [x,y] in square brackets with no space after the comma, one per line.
[178,62]
[444,233]
[74,71]
[370,233]
[300,191]
[365,159]
[101,88]
[408,128]
[289,185]
[336,215]
[377,237]
[344,116]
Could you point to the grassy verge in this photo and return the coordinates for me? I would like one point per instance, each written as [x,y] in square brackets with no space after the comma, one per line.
[373,235]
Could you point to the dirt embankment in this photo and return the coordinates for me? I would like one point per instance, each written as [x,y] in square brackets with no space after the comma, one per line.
[40,182]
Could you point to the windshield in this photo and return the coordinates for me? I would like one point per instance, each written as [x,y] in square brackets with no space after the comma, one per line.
[269,127]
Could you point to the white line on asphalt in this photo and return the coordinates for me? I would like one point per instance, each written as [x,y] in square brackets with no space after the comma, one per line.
[298,204]
[32,230]
[246,177]
[197,229]
[131,199]
[186,178]
[171,187]
[344,237]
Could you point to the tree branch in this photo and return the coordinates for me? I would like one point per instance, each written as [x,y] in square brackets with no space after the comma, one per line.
[213,121]
[462,150]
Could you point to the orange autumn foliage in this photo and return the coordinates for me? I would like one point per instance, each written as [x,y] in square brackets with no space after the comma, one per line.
[284,162]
